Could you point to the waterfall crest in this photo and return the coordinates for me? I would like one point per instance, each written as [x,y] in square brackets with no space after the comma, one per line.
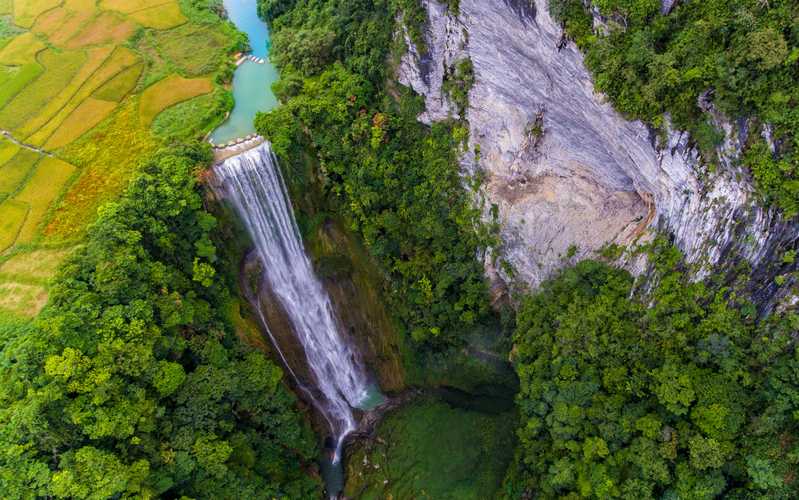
[253,184]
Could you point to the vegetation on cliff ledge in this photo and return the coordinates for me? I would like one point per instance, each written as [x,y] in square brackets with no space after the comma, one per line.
[395,180]
[740,55]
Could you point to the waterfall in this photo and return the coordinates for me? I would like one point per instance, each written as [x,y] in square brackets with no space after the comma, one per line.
[252,182]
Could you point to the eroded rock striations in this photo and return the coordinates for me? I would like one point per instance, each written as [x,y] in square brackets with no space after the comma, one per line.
[566,171]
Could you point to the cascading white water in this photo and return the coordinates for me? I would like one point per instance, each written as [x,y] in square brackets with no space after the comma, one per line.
[252,182]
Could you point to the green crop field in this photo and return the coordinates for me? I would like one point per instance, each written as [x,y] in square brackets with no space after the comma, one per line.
[21,49]
[7,151]
[60,68]
[17,79]
[81,81]
[16,169]
[191,49]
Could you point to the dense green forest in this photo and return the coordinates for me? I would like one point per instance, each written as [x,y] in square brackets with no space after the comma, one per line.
[741,55]
[673,393]
[133,383]
[679,392]
[395,180]
[130,382]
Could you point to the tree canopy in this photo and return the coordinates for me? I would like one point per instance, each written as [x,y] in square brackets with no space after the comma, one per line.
[131,383]
[678,393]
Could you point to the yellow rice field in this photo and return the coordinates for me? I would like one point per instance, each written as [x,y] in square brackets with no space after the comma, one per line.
[26,11]
[40,192]
[15,170]
[12,217]
[129,6]
[50,122]
[94,59]
[168,92]
[85,117]
[108,28]
[77,82]
[61,24]
[21,50]
[7,150]
[118,87]
[106,156]
[160,17]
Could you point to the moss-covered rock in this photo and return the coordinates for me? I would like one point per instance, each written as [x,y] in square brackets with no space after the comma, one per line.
[354,283]
[431,449]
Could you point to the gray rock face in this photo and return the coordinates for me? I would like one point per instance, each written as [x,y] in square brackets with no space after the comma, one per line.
[666,6]
[564,168]
[424,73]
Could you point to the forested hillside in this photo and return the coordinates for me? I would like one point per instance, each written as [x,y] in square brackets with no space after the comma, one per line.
[662,387]
[131,382]
[678,392]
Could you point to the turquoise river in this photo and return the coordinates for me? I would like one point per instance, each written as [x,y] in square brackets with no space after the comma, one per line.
[252,81]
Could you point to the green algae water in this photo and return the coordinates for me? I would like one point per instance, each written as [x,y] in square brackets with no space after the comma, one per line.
[433,449]
[252,81]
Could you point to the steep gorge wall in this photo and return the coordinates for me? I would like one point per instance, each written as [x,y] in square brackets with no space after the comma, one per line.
[564,168]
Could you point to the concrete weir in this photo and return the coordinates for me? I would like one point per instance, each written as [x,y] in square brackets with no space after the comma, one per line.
[237,146]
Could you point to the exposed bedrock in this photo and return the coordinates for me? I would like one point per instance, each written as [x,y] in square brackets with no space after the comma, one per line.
[359,313]
[565,169]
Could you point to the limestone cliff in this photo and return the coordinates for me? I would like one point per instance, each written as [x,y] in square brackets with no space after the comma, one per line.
[565,169]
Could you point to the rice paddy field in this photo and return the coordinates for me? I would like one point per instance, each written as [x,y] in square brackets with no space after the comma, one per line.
[87,88]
